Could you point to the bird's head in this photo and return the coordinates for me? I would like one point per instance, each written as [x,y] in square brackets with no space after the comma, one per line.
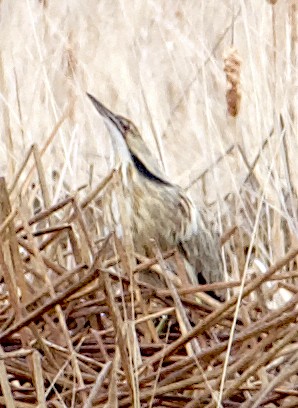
[121,130]
[128,143]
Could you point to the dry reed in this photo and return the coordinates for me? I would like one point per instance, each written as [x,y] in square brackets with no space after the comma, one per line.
[77,328]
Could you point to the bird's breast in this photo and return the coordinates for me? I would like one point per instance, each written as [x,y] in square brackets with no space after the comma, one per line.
[151,210]
[161,212]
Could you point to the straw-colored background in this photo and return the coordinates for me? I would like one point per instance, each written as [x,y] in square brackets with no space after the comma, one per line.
[161,64]
[99,336]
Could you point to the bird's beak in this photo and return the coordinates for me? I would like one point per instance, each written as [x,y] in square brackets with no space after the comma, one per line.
[116,130]
[109,117]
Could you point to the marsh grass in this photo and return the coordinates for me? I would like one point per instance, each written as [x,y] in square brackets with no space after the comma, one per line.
[76,328]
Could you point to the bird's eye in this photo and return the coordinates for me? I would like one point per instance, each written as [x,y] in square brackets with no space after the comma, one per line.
[125,126]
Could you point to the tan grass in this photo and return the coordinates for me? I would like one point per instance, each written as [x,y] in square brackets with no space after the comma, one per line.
[78,328]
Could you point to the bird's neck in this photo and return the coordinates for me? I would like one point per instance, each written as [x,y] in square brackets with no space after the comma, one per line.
[121,151]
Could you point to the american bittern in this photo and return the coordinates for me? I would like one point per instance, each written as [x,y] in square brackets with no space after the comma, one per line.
[157,208]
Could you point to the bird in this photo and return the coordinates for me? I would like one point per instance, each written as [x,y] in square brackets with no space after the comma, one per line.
[159,209]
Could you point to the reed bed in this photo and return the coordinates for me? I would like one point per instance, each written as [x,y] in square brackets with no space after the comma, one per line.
[78,328]
[213,89]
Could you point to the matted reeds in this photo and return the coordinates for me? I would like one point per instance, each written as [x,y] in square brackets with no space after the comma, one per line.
[79,328]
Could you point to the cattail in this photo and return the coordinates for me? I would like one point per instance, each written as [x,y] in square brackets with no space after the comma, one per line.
[232,69]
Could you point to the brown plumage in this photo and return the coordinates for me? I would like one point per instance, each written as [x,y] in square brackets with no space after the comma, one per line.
[156,207]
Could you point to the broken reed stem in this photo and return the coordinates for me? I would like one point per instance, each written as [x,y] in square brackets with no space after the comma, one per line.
[120,331]
[41,177]
[182,318]
[38,379]
[20,171]
[5,386]
[98,383]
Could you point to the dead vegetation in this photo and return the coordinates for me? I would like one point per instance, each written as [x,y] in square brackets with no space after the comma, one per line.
[78,327]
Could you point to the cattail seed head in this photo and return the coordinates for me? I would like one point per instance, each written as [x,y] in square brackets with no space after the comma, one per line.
[232,69]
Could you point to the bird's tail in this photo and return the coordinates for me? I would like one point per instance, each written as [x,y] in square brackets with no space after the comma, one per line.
[203,253]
